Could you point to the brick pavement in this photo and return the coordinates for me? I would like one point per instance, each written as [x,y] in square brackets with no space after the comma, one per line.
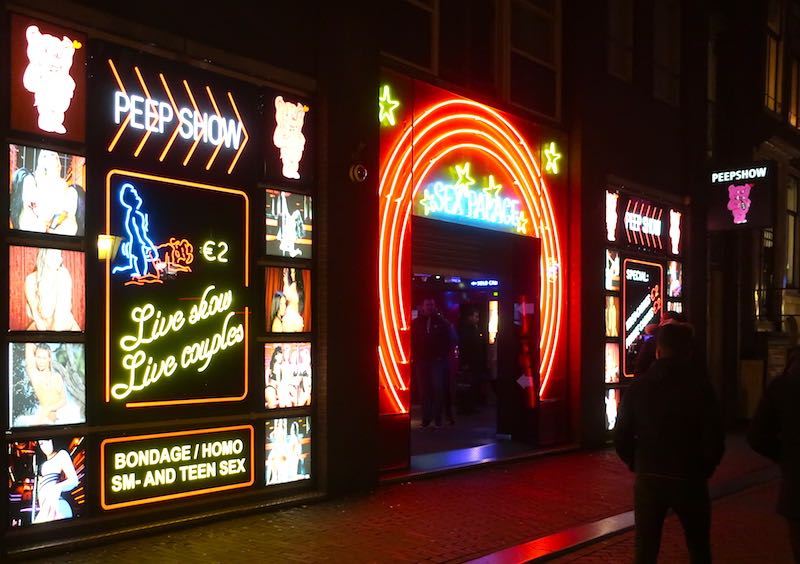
[454,517]
[745,529]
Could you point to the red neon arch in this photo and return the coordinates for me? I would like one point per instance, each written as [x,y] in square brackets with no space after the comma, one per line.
[449,126]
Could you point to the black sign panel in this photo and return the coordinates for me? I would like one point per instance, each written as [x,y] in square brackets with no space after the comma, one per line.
[158,115]
[151,468]
[177,321]
[741,197]
[642,299]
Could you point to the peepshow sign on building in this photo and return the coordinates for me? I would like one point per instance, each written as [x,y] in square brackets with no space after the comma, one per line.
[741,197]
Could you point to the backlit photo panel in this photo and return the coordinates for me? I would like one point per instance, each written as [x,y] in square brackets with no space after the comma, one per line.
[288,300]
[46,480]
[47,384]
[288,450]
[46,289]
[289,223]
[47,191]
[287,375]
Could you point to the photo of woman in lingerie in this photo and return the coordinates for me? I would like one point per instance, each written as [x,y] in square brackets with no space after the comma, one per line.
[47,191]
[46,481]
[46,289]
[287,375]
[289,310]
[47,384]
[289,224]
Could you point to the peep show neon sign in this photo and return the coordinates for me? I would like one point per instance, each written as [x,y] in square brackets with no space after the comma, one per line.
[462,199]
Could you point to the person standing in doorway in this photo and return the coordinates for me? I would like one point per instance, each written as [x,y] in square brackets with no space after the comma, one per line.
[431,342]
[472,361]
[669,432]
[775,433]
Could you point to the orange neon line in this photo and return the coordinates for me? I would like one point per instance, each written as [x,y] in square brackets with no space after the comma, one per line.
[119,133]
[196,109]
[550,298]
[189,184]
[108,506]
[244,130]
[216,109]
[147,131]
[177,121]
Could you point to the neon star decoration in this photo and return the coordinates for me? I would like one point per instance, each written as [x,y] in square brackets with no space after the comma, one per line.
[464,179]
[387,106]
[552,156]
[492,189]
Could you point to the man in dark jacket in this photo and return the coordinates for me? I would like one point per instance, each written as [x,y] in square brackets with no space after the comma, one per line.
[775,433]
[669,432]
[431,343]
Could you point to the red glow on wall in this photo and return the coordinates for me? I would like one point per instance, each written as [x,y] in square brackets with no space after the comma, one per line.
[438,130]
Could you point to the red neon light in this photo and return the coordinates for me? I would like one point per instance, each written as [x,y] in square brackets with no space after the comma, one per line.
[449,126]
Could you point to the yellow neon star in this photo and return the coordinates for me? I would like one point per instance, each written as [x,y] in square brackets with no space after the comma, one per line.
[425,202]
[492,189]
[521,223]
[464,179]
[386,106]
[552,155]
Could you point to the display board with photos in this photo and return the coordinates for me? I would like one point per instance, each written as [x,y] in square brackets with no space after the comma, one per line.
[146,310]
[643,279]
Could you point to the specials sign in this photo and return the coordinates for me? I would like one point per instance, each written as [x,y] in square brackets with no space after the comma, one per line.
[642,305]
[151,468]
[741,197]
[177,321]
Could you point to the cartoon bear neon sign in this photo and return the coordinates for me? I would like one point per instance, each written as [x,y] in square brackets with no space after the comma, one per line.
[739,202]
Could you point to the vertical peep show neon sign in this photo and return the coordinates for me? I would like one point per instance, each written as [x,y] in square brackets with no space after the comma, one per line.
[438,135]
[176,329]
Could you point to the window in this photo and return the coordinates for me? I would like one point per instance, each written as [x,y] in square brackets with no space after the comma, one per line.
[791,232]
[667,51]
[711,95]
[620,39]
[774,72]
[534,58]
[408,31]
[794,99]
[468,42]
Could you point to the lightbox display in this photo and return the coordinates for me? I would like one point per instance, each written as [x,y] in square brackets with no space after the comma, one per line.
[47,384]
[47,191]
[46,480]
[289,224]
[46,289]
[287,298]
[287,375]
[642,296]
[288,450]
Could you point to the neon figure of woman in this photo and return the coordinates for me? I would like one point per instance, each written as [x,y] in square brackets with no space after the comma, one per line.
[294,293]
[48,294]
[138,248]
[54,392]
[49,486]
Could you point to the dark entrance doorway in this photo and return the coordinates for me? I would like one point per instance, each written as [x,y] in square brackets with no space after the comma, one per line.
[486,286]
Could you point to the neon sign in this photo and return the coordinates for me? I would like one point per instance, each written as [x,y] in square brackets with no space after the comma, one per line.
[437,131]
[483,283]
[386,106]
[739,202]
[457,201]
[179,340]
[551,156]
[611,215]
[742,198]
[150,468]
[740,174]
[161,115]
[643,224]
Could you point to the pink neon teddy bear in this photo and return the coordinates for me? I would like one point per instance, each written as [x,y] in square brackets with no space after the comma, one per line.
[739,202]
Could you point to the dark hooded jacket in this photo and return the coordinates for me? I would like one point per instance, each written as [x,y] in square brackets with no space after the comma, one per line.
[775,433]
[669,423]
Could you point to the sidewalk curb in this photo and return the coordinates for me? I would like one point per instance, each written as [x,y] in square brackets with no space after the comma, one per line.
[575,538]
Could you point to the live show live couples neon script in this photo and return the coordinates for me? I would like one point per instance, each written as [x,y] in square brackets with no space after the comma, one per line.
[176,323]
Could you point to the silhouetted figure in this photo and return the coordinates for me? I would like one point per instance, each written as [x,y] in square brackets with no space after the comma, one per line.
[775,433]
[431,342]
[472,361]
[669,432]
[647,352]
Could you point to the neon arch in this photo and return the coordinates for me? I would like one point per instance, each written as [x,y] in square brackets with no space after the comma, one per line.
[448,126]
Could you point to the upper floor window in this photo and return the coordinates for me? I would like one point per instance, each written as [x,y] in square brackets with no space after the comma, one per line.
[774,61]
[620,39]
[667,51]
[791,232]
[534,58]
[409,30]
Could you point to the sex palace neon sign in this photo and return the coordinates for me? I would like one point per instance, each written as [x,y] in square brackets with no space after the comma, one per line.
[460,200]
[177,115]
